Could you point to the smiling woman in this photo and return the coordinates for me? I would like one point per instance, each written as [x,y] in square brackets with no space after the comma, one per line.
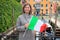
[23,22]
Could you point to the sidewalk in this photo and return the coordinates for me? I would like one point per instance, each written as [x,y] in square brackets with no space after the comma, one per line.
[58,22]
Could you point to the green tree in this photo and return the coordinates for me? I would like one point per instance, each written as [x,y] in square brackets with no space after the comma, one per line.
[18,1]
[6,7]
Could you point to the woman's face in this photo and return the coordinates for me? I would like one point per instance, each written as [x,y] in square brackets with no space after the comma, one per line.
[27,9]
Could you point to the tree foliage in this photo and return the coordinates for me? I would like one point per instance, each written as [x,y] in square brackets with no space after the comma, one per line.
[6,7]
[18,1]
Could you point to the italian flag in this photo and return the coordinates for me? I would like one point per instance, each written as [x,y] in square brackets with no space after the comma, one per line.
[36,24]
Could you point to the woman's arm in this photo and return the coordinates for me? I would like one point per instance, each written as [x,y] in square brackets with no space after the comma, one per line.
[19,27]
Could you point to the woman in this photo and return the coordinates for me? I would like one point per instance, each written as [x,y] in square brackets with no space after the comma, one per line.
[22,23]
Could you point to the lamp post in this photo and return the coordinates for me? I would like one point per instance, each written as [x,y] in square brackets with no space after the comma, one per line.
[56,14]
[37,7]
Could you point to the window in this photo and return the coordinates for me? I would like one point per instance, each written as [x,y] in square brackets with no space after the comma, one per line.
[51,5]
[46,0]
[42,0]
[41,5]
[42,11]
[46,11]
[46,5]
[37,6]
[34,0]
[29,0]
[37,0]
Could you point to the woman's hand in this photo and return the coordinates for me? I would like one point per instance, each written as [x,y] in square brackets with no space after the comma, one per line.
[34,33]
[26,25]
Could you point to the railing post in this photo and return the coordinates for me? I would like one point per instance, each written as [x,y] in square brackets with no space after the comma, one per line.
[2,38]
[37,36]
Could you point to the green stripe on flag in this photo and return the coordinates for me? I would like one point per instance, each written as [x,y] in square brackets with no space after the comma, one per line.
[33,22]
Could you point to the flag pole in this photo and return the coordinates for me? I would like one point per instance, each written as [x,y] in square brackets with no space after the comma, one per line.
[25,32]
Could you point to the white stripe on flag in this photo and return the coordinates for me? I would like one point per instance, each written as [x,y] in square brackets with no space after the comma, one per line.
[38,25]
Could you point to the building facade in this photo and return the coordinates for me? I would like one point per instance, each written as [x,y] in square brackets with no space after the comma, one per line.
[55,4]
[46,6]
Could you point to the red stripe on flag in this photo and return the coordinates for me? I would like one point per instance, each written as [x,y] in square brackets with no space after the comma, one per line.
[43,27]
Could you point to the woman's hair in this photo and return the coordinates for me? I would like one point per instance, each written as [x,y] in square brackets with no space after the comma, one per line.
[30,8]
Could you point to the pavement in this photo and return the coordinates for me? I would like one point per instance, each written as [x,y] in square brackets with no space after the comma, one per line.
[58,20]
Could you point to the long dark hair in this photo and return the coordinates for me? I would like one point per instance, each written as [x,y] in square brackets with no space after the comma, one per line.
[30,12]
